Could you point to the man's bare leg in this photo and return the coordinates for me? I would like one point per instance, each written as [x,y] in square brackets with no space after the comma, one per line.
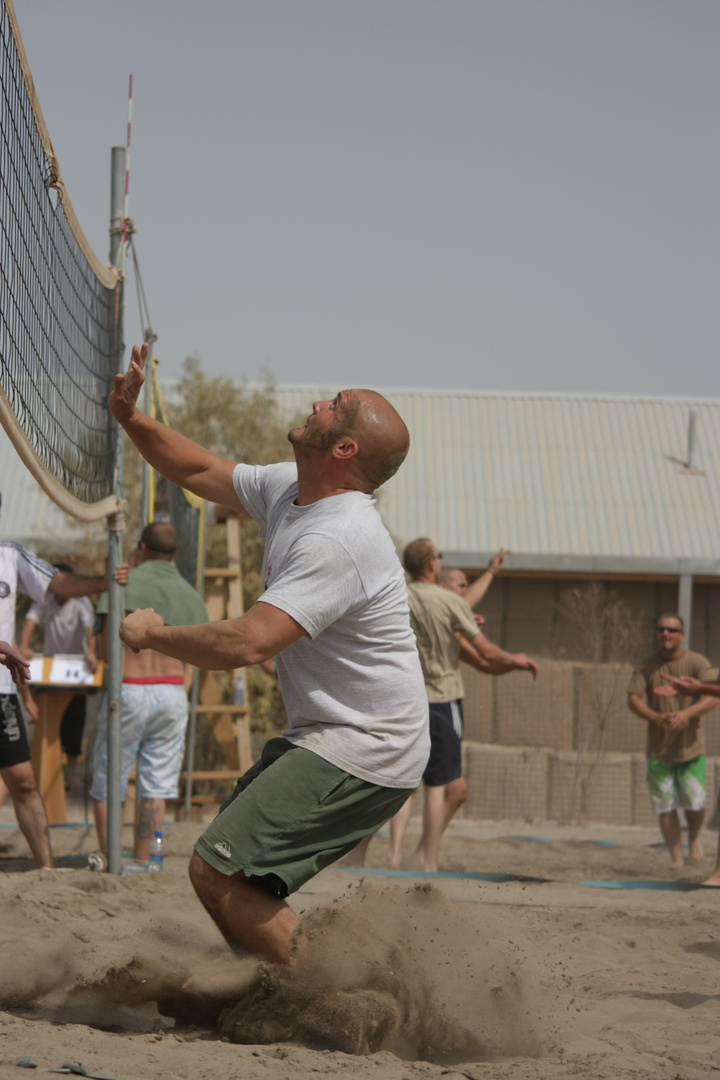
[398,825]
[149,819]
[29,810]
[714,878]
[356,857]
[246,915]
[670,828]
[694,820]
[456,792]
[454,795]
[100,814]
[426,852]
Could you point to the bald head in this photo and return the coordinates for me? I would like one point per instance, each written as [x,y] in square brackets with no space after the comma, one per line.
[159,539]
[382,437]
[360,428]
[454,580]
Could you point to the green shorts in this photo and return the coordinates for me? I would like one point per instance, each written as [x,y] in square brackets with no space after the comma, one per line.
[291,815]
[676,784]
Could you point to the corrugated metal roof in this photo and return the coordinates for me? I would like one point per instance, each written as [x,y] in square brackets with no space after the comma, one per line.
[28,516]
[562,480]
[567,482]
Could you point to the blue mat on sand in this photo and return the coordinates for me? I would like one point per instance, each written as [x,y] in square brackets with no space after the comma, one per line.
[472,875]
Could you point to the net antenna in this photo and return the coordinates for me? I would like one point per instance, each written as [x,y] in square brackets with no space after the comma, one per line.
[60,310]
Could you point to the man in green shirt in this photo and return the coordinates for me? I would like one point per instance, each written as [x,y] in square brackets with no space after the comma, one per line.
[154,700]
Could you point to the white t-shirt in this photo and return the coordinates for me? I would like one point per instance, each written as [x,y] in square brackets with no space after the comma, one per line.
[65,625]
[20,571]
[353,688]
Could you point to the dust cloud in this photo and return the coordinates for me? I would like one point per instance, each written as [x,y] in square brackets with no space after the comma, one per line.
[396,969]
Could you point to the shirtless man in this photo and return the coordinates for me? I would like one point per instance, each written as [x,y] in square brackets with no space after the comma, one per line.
[154,702]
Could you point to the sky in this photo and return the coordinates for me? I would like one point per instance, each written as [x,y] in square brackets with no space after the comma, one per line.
[501,195]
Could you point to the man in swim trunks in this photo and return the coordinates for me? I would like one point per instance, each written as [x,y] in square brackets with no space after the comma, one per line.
[154,701]
[334,614]
[675,746]
[690,687]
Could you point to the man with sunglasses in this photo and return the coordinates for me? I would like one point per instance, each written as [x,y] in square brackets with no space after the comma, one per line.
[675,740]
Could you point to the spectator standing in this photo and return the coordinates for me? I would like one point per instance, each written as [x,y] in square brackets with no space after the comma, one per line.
[67,624]
[675,745]
[154,714]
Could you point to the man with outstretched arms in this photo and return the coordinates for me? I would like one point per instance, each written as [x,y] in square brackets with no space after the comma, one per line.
[334,612]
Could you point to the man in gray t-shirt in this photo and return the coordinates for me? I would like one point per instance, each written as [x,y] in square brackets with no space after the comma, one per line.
[334,613]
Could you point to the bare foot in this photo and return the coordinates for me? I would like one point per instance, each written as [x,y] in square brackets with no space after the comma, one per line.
[714,879]
[393,861]
[696,853]
[674,865]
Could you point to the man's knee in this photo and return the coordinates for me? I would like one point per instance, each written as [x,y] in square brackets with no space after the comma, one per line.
[457,792]
[208,883]
[20,780]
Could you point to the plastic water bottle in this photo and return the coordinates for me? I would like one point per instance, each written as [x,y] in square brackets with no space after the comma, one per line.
[239,696]
[157,853]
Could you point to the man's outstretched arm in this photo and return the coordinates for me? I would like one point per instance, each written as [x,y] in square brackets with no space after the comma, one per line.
[217,646]
[500,662]
[687,686]
[477,588]
[178,459]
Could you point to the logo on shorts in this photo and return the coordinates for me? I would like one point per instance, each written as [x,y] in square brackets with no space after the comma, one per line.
[4,589]
[223,849]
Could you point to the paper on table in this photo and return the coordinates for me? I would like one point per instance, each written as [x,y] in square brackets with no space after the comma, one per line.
[36,668]
[68,670]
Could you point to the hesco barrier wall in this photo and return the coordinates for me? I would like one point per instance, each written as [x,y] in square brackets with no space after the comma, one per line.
[524,783]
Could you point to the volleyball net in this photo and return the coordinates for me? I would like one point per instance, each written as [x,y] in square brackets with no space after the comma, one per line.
[59,309]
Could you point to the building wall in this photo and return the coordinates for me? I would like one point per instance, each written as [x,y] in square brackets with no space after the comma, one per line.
[526,614]
[513,783]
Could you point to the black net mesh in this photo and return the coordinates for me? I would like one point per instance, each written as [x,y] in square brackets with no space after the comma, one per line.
[57,318]
[187,521]
[184,510]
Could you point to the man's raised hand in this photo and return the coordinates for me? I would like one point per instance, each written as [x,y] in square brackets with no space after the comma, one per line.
[496,561]
[127,387]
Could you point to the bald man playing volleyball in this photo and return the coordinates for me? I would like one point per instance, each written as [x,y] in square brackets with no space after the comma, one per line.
[334,613]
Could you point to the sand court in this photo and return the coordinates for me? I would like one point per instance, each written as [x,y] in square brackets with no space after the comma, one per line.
[400,976]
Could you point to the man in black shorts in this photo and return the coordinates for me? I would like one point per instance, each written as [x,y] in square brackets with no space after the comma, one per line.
[437,615]
[22,571]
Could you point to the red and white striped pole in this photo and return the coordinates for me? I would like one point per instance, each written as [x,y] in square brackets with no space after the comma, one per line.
[127,179]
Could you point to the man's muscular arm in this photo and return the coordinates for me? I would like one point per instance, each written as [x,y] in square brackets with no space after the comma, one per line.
[218,646]
[178,459]
[499,661]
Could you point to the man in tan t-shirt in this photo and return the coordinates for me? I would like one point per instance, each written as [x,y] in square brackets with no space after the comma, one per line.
[675,746]
[438,616]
